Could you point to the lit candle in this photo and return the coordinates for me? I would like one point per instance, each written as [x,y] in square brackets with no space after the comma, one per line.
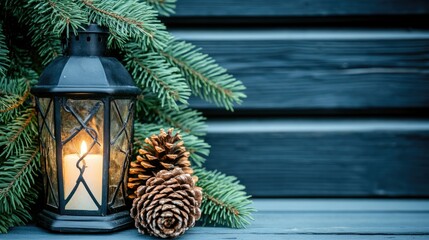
[93,176]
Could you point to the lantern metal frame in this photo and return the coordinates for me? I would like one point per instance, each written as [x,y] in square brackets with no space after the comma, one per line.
[85,74]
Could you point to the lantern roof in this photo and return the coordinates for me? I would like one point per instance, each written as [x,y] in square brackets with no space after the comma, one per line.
[85,70]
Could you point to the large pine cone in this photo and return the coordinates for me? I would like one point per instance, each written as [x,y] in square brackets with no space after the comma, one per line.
[168,205]
[161,152]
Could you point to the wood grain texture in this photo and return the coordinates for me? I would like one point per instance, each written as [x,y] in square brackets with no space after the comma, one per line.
[282,8]
[290,70]
[326,158]
[275,219]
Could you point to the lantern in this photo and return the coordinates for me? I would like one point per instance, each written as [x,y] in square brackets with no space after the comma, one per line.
[85,104]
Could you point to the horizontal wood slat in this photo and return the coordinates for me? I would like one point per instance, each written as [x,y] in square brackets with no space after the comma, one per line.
[322,69]
[220,8]
[295,219]
[349,158]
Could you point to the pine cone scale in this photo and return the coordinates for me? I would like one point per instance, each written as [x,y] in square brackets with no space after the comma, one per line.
[163,208]
[161,152]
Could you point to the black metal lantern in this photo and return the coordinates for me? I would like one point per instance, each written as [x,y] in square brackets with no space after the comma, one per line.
[85,103]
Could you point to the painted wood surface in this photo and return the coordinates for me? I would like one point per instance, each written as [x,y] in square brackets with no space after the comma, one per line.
[310,69]
[223,8]
[298,219]
[323,157]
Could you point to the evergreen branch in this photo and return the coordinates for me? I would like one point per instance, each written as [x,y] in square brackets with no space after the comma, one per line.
[12,101]
[196,147]
[152,72]
[128,20]
[21,68]
[15,88]
[18,135]
[186,119]
[207,79]
[47,20]
[164,7]
[21,215]
[48,47]
[224,200]
[17,175]
[4,53]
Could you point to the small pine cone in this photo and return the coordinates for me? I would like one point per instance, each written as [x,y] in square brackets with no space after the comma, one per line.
[161,152]
[168,205]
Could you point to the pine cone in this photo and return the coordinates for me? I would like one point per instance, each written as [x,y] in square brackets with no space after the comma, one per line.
[167,205]
[161,152]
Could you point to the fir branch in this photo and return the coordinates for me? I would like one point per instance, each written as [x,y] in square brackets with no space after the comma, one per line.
[10,102]
[21,67]
[17,175]
[18,135]
[224,200]
[48,47]
[128,20]
[4,53]
[164,7]
[18,217]
[21,215]
[207,79]
[15,88]
[198,149]
[47,20]
[184,118]
[152,72]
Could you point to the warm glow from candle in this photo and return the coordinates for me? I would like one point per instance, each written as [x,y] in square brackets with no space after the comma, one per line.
[93,175]
[83,148]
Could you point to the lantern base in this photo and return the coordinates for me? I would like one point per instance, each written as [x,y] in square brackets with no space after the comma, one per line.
[84,224]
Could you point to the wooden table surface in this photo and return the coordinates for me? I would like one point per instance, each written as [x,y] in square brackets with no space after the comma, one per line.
[320,219]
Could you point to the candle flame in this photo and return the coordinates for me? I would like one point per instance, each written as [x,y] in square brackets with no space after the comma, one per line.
[83,148]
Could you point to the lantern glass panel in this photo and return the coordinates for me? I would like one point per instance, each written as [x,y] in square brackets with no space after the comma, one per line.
[120,149]
[82,153]
[48,146]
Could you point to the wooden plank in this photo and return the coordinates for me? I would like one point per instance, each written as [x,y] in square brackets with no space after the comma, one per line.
[281,8]
[193,234]
[346,222]
[337,157]
[291,70]
[341,205]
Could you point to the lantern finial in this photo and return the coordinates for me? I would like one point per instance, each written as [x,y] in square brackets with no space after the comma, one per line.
[91,41]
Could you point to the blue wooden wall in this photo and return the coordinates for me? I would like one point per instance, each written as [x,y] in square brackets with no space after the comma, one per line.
[338,94]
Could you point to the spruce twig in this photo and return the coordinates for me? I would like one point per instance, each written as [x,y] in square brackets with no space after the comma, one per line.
[184,118]
[17,176]
[128,20]
[46,31]
[4,52]
[18,134]
[164,7]
[207,79]
[151,72]
[224,200]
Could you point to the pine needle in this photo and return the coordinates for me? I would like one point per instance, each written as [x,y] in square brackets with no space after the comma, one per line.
[151,72]
[47,21]
[128,20]
[164,7]
[184,118]
[17,176]
[19,134]
[206,78]
[4,53]
[224,200]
